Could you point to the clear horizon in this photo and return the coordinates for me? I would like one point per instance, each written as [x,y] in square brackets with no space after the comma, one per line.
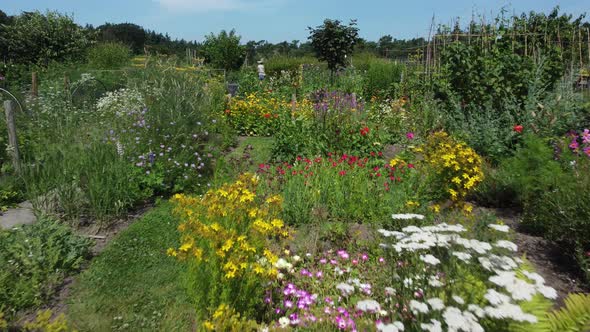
[280,20]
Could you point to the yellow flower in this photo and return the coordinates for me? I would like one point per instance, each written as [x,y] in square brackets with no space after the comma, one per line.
[228,244]
[209,326]
[171,252]
[277,223]
[186,246]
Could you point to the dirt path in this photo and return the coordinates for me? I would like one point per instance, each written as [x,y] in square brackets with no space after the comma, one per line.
[558,269]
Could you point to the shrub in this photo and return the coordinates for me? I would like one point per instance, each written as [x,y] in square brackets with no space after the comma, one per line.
[225,243]
[109,56]
[561,210]
[455,167]
[274,65]
[381,78]
[34,261]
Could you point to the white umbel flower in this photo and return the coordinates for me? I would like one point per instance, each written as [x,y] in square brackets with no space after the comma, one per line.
[500,228]
[436,303]
[368,305]
[429,259]
[407,216]
[418,307]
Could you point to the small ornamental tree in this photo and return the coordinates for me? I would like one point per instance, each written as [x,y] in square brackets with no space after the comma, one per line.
[332,41]
[224,50]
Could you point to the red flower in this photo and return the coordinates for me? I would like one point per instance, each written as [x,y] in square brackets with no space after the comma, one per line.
[342,173]
[365,131]
[227,111]
[266,115]
[380,154]
[410,165]
[518,129]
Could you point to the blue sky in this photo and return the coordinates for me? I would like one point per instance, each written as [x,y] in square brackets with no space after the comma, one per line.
[278,20]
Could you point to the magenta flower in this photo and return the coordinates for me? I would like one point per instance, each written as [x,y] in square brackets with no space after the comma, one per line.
[410,135]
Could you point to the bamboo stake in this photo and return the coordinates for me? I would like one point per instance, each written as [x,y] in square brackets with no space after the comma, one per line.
[580,46]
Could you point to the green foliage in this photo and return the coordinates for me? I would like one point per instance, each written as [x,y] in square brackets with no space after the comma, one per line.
[76,180]
[35,259]
[342,189]
[44,323]
[37,38]
[224,50]
[575,316]
[108,56]
[332,42]
[275,65]
[381,79]
[562,212]
[128,34]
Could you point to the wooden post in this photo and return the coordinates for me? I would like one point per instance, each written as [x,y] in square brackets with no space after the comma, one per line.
[12,139]
[293,103]
[34,87]
[66,83]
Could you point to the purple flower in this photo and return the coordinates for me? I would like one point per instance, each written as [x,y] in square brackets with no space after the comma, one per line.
[288,304]
[410,135]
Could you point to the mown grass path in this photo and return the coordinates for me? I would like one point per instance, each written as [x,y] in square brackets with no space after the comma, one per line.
[133,285]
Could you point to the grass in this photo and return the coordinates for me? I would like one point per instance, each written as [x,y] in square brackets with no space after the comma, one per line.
[133,285]
[246,157]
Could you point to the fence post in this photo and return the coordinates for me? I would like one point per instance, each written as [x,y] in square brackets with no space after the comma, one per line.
[12,139]
[293,103]
[34,87]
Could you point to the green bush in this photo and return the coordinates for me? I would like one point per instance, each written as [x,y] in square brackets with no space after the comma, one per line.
[522,178]
[109,56]
[34,260]
[276,64]
[381,78]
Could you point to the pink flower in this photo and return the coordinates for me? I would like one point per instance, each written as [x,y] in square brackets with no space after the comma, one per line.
[586,136]
[410,135]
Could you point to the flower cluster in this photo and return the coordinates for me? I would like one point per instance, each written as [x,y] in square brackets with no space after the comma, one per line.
[229,227]
[433,260]
[225,238]
[333,290]
[457,167]
[580,142]
[341,165]
[430,278]
[257,114]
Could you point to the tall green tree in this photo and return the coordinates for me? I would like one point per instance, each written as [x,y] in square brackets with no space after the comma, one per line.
[224,50]
[33,37]
[333,41]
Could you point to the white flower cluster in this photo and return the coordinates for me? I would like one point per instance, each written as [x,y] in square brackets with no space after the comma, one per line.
[120,102]
[407,216]
[506,285]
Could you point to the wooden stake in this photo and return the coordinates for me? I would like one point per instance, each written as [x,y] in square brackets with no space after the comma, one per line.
[12,138]
[293,103]
[34,87]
